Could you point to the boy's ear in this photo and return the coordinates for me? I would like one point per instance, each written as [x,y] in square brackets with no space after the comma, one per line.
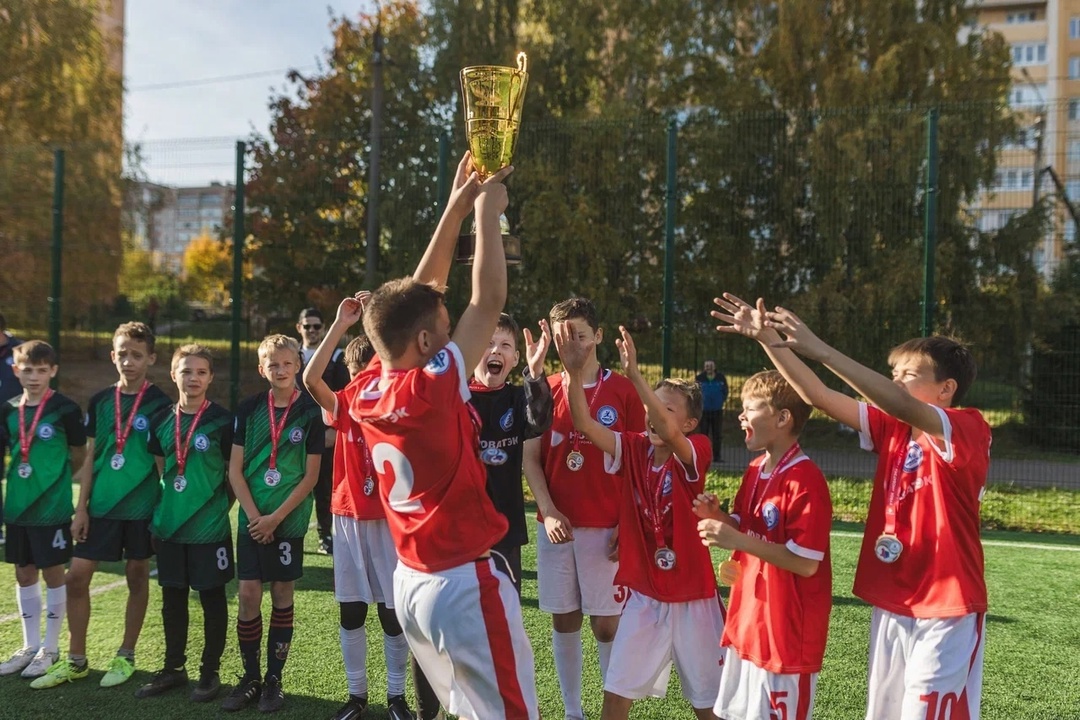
[262,373]
[112,356]
[53,370]
[690,425]
[948,390]
[599,335]
[152,359]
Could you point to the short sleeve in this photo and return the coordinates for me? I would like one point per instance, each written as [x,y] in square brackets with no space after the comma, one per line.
[73,425]
[228,437]
[239,431]
[702,447]
[316,436]
[738,505]
[443,379]
[874,428]
[153,443]
[808,512]
[634,411]
[91,417]
[341,406]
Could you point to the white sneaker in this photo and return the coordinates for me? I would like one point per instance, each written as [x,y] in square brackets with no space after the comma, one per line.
[18,661]
[40,664]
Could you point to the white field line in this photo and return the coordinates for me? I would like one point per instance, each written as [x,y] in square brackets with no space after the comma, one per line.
[991,543]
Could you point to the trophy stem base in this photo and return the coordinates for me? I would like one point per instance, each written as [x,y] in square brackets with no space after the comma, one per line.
[466,246]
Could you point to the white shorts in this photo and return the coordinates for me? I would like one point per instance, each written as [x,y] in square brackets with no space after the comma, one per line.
[464,627]
[577,575]
[750,692]
[364,561]
[653,633]
[925,668]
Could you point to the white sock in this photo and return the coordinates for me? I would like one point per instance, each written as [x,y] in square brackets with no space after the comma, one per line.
[396,652]
[603,649]
[29,599]
[56,608]
[566,647]
[354,650]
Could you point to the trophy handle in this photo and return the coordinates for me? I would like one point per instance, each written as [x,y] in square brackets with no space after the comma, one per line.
[522,62]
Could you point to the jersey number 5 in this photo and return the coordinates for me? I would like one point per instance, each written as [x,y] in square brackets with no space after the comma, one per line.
[778,705]
[399,498]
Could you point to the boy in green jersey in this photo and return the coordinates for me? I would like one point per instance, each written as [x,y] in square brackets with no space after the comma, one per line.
[190,527]
[120,487]
[276,453]
[44,431]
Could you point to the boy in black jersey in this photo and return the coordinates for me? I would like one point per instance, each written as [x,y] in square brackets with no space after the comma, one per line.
[192,535]
[277,448]
[510,415]
[44,430]
[120,487]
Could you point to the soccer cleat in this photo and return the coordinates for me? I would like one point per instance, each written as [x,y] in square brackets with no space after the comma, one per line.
[41,663]
[163,681]
[326,545]
[272,698]
[398,709]
[61,672]
[208,687]
[353,708]
[119,671]
[18,661]
[245,693]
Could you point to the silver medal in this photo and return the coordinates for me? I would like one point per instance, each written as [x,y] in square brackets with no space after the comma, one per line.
[117,461]
[272,477]
[888,548]
[179,483]
[25,470]
[575,460]
[369,486]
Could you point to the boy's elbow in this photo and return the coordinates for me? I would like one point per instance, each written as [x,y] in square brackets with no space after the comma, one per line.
[807,568]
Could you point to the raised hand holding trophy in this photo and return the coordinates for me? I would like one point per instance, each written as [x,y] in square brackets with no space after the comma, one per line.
[492,97]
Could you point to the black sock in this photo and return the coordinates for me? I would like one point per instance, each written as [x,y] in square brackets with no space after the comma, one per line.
[174,617]
[278,641]
[249,633]
[215,627]
[427,702]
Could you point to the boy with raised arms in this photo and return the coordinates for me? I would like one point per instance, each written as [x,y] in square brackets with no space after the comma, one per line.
[192,442]
[44,432]
[119,489]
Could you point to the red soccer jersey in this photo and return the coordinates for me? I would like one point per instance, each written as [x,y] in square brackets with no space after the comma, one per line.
[691,578]
[424,443]
[776,619]
[589,497]
[354,496]
[939,489]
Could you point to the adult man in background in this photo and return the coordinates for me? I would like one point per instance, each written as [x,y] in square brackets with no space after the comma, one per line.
[714,392]
[9,388]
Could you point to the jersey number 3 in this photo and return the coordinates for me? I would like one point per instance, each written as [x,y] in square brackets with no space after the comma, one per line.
[400,499]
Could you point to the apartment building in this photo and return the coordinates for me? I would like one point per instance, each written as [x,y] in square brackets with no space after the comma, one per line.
[164,220]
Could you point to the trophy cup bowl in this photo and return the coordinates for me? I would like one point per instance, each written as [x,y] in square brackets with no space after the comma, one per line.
[492,97]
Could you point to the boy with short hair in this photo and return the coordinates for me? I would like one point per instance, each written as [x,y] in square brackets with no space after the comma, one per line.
[578,504]
[780,572]
[119,489]
[364,555]
[673,612]
[509,416]
[921,564]
[277,447]
[45,433]
[192,535]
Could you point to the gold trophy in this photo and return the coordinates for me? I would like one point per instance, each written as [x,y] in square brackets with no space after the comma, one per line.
[492,96]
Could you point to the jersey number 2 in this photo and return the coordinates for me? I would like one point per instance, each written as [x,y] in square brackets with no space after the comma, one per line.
[399,498]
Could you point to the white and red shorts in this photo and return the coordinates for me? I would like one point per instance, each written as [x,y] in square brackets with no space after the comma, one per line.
[750,692]
[464,627]
[364,561]
[652,634]
[925,668]
[577,575]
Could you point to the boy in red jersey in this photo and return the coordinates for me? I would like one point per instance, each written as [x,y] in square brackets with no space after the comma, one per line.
[364,555]
[778,611]
[462,618]
[673,612]
[921,564]
[578,504]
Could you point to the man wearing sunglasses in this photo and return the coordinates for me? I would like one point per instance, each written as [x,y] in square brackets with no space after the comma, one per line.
[336,376]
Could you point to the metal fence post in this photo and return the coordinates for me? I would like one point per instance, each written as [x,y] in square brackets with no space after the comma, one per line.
[930,221]
[237,301]
[444,164]
[57,253]
[669,245]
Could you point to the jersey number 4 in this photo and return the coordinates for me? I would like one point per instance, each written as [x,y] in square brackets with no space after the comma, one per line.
[400,499]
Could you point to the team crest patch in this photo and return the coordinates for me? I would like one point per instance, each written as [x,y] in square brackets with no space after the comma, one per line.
[438,364]
[202,443]
[46,431]
[9,360]
[771,515]
[296,436]
[607,415]
[494,456]
[507,420]
[141,423]
[666,489]
[914,457]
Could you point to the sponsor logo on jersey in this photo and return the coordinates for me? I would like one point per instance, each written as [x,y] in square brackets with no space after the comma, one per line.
[202,443]
[914,457]
[507,420]
[296,436]
[607,415]
[46,431]
[494,456]
[556,438]
[9,360]
[438,364]
[141,423]
[771,515]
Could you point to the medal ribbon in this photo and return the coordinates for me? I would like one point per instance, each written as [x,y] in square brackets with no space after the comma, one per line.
[26,437]
[182,450]
[277,428]
[124,432]
[592,406]
[892,489]
[778,471]
[368,466]
[654,499]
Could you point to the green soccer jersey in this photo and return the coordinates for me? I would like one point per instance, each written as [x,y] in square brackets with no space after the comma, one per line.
[302,434]
[39,487]
[127,486]
[194,506]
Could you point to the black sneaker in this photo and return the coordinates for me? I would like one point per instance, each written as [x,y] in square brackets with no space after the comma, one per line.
[162,681]
[398,709]
[326,545]
[353,708]
[208,688]
[246,692]
[272,697]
